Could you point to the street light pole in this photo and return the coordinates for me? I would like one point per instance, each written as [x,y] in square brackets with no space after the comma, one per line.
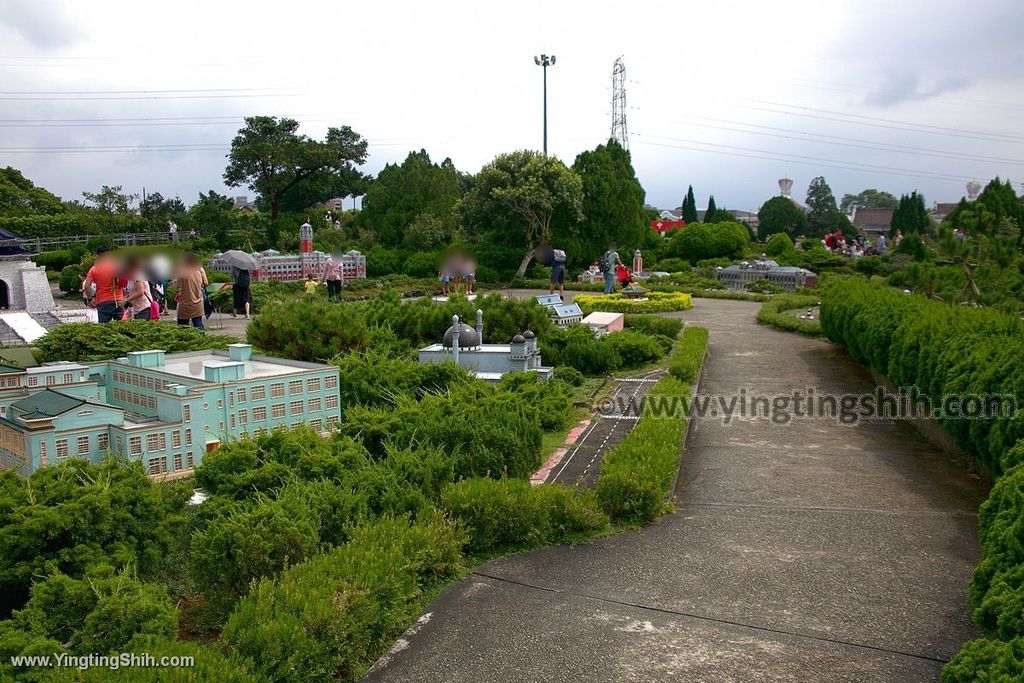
[545,61]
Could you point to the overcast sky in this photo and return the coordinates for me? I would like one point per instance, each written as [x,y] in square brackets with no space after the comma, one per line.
[727,96]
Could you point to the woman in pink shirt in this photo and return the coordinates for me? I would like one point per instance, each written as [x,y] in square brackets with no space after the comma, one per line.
[138,297]
[332,276]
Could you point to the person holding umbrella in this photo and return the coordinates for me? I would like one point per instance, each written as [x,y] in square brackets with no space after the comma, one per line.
[241,265]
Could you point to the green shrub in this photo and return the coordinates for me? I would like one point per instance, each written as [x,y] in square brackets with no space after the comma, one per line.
[570,376]
[70,280]
[778,244]
[654,324]
[56,260]
[654,302]
[776,313]
[686,361]
[697,241]
[308,329]
[987,661]
[633,348]
[513,514]
[85,342]
[329,618]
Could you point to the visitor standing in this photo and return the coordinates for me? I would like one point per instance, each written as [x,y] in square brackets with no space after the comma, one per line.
[138,296]
[897,238]
[310,285]
[191,284]
[103,284]
[445,278]
[557,272]
[172,230]
[880,245]
[623,275]
[241,294]
[608,263]
[333,275]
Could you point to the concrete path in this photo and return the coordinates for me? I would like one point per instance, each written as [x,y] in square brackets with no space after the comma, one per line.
[811,552]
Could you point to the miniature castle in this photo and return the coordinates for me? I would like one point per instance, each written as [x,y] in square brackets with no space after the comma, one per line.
[464,346]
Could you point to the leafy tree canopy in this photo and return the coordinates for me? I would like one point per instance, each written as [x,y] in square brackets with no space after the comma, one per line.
[111,199]
[823,215]
[780,214]
[868,199]
[689,206]
[155,206]
[613,199]
[20,197]
[910,214]
[270,157]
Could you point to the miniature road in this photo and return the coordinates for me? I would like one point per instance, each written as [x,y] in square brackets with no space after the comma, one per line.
[582,462]
[811,552]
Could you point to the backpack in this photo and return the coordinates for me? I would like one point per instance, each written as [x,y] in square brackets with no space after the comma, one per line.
[606,262]
[559,256]
[242,278]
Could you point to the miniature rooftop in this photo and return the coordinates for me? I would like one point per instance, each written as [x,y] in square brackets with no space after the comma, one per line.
[191,365]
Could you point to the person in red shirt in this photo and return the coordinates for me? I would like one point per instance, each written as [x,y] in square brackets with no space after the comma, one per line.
[622,272]
[108,295]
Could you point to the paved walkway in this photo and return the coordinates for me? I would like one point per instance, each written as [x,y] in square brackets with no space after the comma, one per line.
[812,552]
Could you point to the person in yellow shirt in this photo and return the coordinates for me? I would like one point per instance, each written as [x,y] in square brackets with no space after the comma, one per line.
[310,284]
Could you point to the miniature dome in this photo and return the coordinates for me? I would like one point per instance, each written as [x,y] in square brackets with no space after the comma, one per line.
[468,337]
[518,339]
[529,334]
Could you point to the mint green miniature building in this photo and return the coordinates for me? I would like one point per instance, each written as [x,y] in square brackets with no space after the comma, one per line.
[165,410]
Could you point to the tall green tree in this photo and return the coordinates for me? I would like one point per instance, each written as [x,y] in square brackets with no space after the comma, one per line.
[111,199]
[155,206]
[910,215]
[780,214]
[211,216]
[402,193]
[613,199]
[520,198]
[823,215]
[689,207]
[271,157]
[709,215]
[868,199]
[20,197]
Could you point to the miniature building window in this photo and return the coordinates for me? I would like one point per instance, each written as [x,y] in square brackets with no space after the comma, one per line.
[259,413]
[186,412]
[188,437]
[62,448]
[296,407]
[119,444]
[158,465]
[231,398]
[135,445]
[189,461]
[332,420]
[317,424]
[82,445]
[276,390]
[50,380]
[220,426]
[331,382]
[175,439]
[83,413]
[177,461]
[103,442]
[277,410]
[313,384]
[220,403]
[232,421]
[68,378]
[241,394]
[156,442]
[331,401]
[33,381]
[243,416]
[295,386]
[314,405]
[259,393]
[42,449]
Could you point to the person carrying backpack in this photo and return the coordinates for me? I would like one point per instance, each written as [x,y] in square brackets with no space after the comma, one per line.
[608,263]
[241,295]
[557,272]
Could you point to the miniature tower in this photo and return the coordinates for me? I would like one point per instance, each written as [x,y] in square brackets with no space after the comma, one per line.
[785,186]
[973,190]
[305,247]
[455,339]
[638,262]
[479,326]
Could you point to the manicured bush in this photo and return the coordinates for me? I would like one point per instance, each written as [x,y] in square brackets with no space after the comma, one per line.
[84,342]
[512,514]
[987,661]
[654,324]
[57,260]
[309,329]
[329,618]
[698,241]
[655,302]
[777,312]
[778,244]
[635,349]
[686,361]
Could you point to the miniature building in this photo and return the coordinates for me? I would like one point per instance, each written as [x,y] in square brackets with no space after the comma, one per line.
[638,262]
[273,265]
[604,323]
[634,291]
[873,221]
[164,410]
[463,345]
[592,275]
[562,314]
[788,277]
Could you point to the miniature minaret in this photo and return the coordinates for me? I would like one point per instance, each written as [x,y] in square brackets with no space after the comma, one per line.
[638,262]
[480,326]
[455,339]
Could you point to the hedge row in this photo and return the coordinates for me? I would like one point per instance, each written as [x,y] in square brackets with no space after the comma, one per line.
[637,475]
[74,224]
[654,302]
[776,313]
[686,361]
[946,350]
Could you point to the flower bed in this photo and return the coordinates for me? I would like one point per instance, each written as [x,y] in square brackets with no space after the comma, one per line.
[654,302]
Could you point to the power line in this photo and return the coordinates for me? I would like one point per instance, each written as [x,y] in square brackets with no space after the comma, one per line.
[131,92]
[804,160]
[849,87]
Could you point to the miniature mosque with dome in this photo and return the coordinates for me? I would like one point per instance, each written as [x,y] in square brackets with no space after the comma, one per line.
[464,346]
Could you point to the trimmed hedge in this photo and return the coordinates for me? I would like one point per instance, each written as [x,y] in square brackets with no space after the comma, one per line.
[686,361]
[637,475]
[654,324]
[774,313]
[656,302]
[85,342]
[946,351]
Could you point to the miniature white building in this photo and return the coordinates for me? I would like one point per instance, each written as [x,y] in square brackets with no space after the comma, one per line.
[592,275]
[562,314]
[464,346]
[604,323]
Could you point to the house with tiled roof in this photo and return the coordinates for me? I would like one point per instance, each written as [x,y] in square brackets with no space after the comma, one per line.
[872,220]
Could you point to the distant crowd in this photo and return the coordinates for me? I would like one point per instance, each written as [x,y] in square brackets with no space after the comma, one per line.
[860,245]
